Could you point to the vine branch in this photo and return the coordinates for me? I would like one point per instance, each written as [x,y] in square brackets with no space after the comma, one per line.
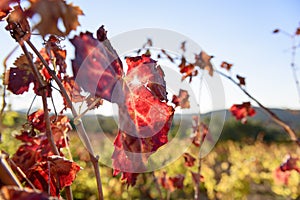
[79,126]
[273,116]
[42,86]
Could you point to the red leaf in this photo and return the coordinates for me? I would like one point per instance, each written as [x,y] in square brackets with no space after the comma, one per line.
[19,80]
[144,116]
[144,120]
[97,68]
[241,111]
[182,99]
[36,148]
[189,160]
[26,156]
[281,177]
[188,70]
[163,181]
[63,169]
[226,65]
[62,174]
[176,182]
[37,120]
[171,183]
[241,80]
[144,125]
[60,125]
[290,164]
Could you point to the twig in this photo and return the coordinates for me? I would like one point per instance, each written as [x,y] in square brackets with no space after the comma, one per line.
[157,186]
[79,126]
[294,47]
[4,88]
[90,107]
[21,173]
[168,195]
[197,185]
[45,107]
[7,176]
[273,116]
[44,98]
[68,192]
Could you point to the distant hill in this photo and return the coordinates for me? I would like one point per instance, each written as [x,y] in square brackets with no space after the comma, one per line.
[291,117]
[260,124]
[233,129]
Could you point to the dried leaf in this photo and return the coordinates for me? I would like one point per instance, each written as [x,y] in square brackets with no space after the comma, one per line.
[297,31]
[182,99]
[226,65]
[241,80]
[18,24]
[51,11]
[200,132]
[182,46]
[72,89]
[202,60]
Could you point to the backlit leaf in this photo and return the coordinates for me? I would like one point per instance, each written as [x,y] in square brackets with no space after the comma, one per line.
[144,116]
[96,69]
[144,120]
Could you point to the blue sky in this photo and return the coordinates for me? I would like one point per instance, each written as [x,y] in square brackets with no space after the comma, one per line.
[237,31]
